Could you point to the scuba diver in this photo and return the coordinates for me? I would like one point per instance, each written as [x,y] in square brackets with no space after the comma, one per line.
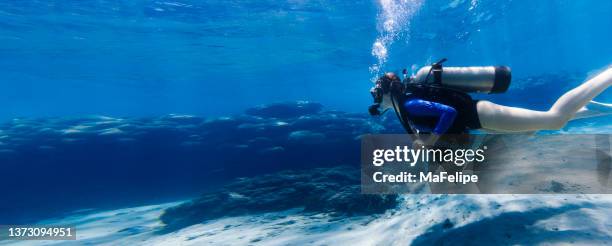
[435,101]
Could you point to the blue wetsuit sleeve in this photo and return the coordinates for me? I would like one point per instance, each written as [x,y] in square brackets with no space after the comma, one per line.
[446,114]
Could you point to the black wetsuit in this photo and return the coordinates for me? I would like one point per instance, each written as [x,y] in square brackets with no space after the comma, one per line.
[465,120]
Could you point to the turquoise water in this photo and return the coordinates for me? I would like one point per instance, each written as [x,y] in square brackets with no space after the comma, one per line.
[128,58]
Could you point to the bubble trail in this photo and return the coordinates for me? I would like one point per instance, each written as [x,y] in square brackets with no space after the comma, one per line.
[393,23]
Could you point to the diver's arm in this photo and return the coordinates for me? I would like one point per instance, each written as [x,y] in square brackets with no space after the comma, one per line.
[446,115]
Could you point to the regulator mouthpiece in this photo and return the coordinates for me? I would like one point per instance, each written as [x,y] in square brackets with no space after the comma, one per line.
[374,109]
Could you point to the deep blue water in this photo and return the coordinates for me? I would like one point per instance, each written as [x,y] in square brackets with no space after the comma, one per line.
[127,58]
[63,61]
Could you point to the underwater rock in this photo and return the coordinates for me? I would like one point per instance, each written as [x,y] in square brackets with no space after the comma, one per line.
[183,119]
[285,110]
[272,150]
[306,137]
[111,131]
[323,190]
[187,153]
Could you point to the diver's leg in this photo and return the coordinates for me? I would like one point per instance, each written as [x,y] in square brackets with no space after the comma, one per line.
[511,119]
[502,118]
[593,109]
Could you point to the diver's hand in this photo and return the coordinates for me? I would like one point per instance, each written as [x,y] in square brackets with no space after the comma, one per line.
[418,144]
[425,141]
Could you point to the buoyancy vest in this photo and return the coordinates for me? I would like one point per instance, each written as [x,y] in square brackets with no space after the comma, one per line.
[460,101]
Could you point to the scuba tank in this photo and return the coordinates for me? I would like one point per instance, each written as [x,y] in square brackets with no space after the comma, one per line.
[489,79]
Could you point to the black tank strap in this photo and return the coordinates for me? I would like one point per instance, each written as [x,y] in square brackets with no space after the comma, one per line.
[437,73]
[401,115]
